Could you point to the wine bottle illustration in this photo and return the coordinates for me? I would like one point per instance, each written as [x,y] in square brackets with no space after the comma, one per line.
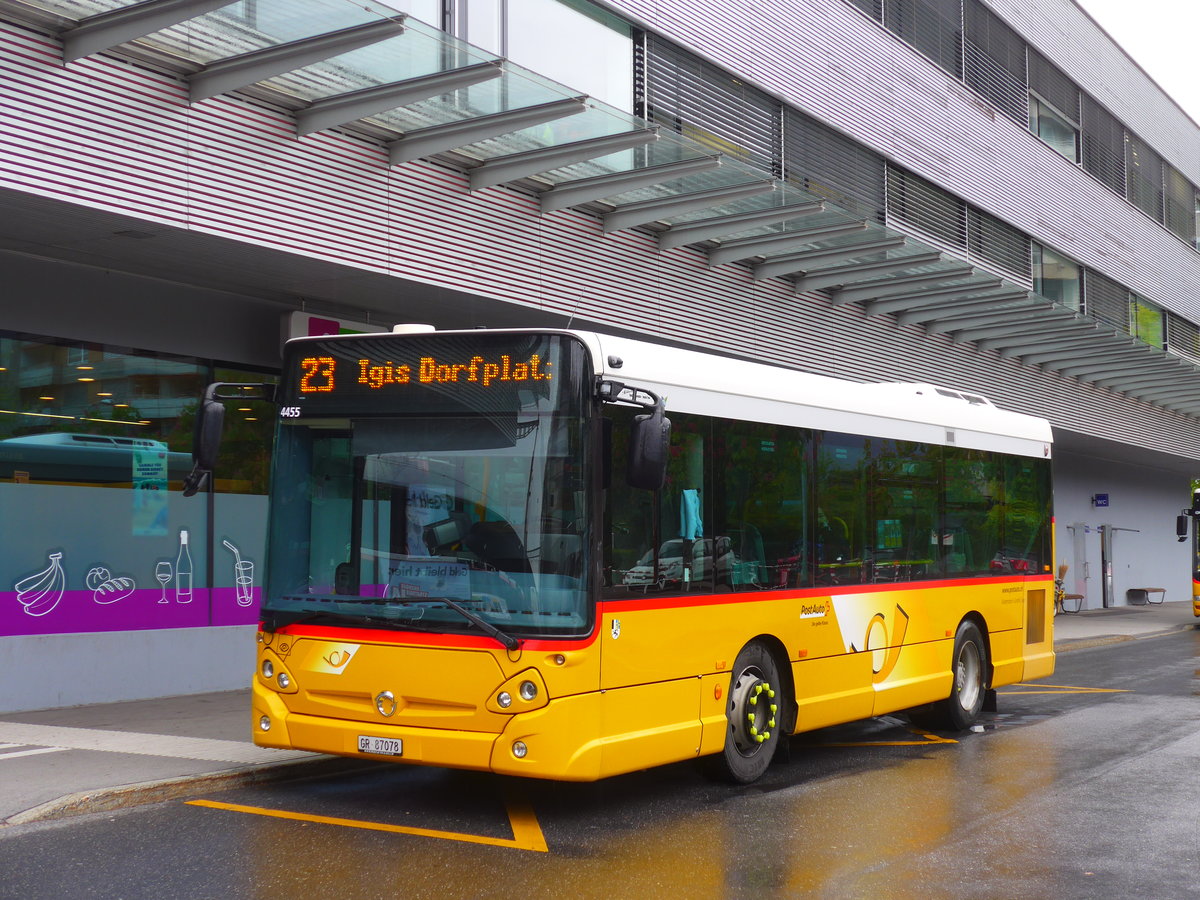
[183,570]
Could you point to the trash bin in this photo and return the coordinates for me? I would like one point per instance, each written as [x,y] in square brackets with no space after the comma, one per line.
[1137,597]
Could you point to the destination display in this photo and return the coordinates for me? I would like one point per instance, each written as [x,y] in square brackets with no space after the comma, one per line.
[375,374]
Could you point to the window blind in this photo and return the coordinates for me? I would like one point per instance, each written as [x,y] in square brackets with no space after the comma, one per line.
[831,165]
[692,97]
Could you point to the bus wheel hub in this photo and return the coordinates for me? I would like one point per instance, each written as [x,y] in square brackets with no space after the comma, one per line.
[752,712]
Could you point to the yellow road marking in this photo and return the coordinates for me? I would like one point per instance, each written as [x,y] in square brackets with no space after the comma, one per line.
[1062,689]
[928,739]
[527,833]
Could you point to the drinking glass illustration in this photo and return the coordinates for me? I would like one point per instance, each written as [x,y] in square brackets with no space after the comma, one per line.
[162,572]
[243,576]
[244,581]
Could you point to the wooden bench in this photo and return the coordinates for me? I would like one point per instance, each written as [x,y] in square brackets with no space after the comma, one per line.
[1144,595]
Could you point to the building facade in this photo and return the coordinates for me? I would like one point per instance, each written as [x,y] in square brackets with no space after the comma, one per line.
[988,196]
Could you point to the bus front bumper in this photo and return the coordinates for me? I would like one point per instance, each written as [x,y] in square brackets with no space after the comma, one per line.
[550,739]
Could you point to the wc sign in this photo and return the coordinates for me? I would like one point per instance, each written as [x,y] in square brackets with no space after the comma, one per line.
[1099,500]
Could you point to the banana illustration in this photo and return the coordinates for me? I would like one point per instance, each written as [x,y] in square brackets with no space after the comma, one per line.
[40,593]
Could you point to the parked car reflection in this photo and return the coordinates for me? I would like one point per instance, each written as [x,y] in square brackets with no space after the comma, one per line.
[671,568]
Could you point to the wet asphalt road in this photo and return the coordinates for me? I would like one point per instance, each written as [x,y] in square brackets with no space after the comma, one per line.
[1084,785]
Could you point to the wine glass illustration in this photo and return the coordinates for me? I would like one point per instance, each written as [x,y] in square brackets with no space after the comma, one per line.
[162,572]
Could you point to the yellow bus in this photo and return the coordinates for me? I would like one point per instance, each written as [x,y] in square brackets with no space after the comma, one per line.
[569,555]
[1183,525]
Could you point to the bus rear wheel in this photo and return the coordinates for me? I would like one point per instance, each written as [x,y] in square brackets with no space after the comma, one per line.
[754,711]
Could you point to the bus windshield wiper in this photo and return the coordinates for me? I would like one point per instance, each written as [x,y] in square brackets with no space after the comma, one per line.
[509,642]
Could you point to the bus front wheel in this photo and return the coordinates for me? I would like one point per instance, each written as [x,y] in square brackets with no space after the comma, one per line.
[754,709]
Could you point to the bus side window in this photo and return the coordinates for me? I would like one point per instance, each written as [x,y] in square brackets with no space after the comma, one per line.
[760,486]
[970,535]
[659,541]
[841,497]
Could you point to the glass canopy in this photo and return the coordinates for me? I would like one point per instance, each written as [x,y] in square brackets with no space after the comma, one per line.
[363,66]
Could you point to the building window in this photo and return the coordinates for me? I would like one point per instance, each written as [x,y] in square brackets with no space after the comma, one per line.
[700,101]
[1180,200]
[1056,278]
[994,61]
[1054,129]
[926,208]
[591,49]
[1144,177]
[934,27]
[1146,321]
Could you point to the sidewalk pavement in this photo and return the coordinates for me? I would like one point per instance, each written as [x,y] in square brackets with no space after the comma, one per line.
[86,759]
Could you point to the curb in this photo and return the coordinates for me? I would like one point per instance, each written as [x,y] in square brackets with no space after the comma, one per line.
[138,794]
[1106,639]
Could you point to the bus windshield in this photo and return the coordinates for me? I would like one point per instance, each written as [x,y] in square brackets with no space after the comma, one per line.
[440,505]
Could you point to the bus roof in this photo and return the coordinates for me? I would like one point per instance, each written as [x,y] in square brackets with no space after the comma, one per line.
[691,381]
[704,383]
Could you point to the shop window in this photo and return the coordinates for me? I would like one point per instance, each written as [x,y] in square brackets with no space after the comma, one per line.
[94,445]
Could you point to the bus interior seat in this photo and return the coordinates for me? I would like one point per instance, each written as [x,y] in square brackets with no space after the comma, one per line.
[497,544]
[561,554]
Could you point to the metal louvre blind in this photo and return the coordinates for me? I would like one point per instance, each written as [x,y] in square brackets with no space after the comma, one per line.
[999,245]
[1053,86]
[954,224]
[926,208]
[1143,177]
[994,61]
[1105,300]
[873,8]
[831,165]
[934,27]
[1181,204]
[1103,145]
[1183,338]
[692,97]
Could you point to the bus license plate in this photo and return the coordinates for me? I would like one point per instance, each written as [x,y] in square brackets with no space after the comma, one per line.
[380,745]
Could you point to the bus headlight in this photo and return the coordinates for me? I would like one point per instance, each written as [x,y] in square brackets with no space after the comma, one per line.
[523,692]
[264,723]
[268,669]
[519,749]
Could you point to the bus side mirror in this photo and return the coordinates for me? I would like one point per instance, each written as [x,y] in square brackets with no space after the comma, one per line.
[206,443]
[1181,527]
[649,445]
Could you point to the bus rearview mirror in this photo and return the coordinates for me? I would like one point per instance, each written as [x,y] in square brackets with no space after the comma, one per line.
[206,443]
[649,444]
[1181,527]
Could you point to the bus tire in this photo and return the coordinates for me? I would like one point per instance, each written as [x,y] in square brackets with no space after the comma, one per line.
[959,711]
[754,711]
